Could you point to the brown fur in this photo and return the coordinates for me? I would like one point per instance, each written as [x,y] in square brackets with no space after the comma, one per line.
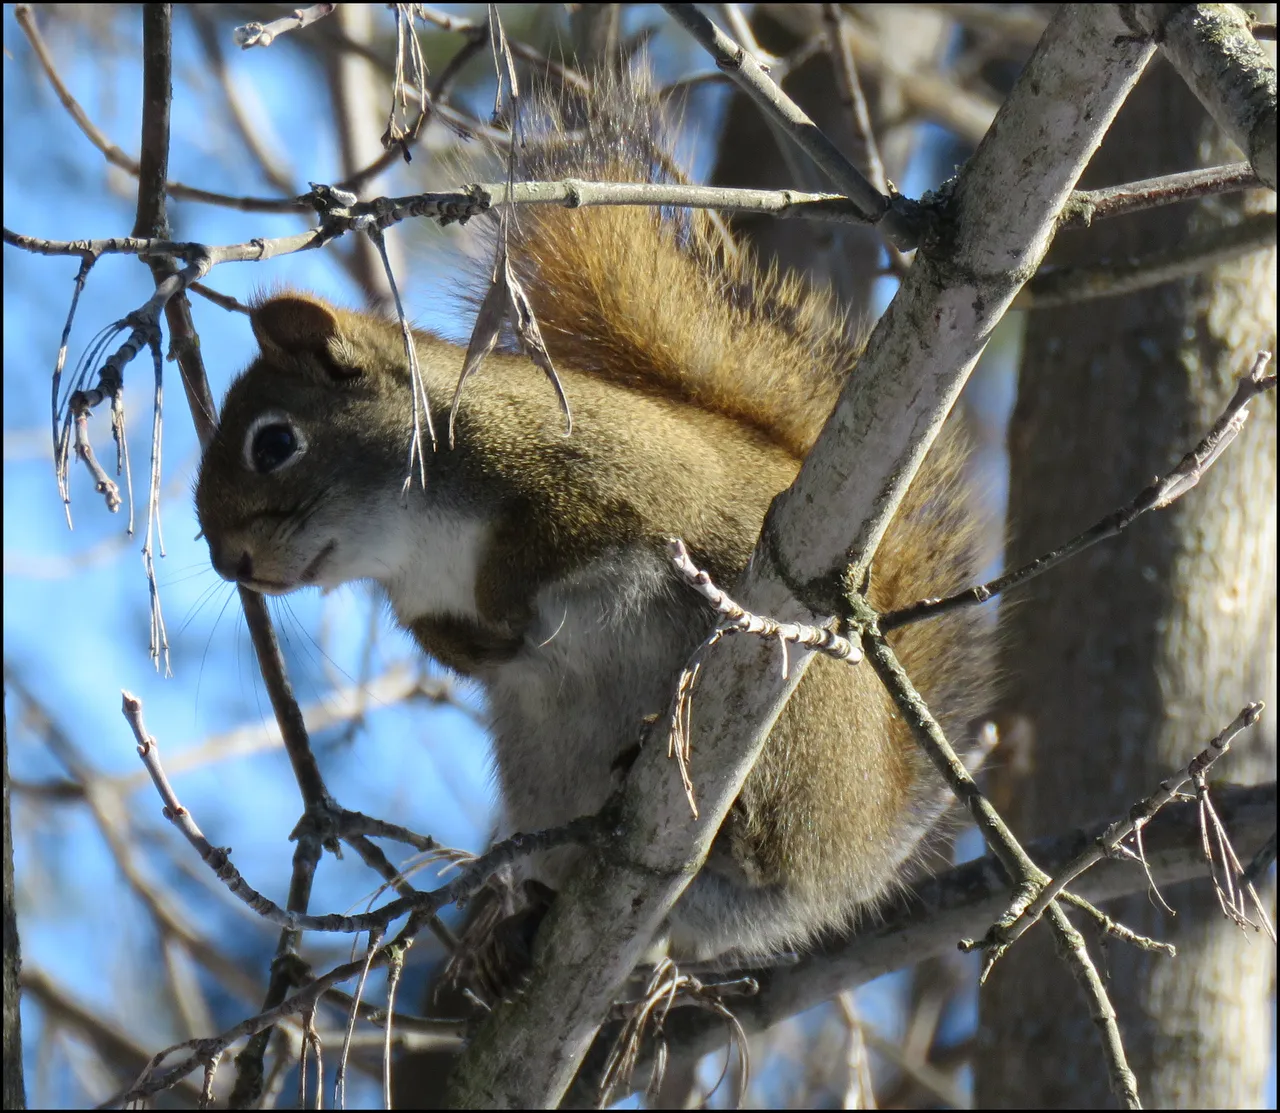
[653,299]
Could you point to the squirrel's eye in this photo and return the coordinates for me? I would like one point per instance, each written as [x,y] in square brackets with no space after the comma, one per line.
[272,446]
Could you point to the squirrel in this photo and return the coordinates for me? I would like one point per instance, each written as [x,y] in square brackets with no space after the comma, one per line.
[536,562]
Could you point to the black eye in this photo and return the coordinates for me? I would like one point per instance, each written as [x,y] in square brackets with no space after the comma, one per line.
[272,446]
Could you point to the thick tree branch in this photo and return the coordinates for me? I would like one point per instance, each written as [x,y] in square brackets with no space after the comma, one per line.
[1213,48]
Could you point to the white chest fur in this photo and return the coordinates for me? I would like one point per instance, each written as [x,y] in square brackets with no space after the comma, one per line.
[602,653]
[432,563]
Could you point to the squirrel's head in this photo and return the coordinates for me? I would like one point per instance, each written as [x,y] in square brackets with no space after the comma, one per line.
[298,482]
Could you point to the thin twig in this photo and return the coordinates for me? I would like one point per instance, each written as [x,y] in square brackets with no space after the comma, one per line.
[1084,206]
[733,620]
[846,68]
[1158,495]
[1138,817]
[582,830]
[786,114]
[1028,878]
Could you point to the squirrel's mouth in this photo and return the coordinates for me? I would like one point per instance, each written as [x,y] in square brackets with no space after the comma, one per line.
[283,587]
[267,587]
[312,570]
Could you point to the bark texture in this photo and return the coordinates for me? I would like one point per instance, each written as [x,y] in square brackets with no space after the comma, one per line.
[1122,664]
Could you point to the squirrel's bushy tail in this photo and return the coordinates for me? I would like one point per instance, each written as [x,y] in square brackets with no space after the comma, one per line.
[663,299]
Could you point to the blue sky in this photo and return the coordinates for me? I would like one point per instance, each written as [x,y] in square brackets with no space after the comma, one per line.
[76,602]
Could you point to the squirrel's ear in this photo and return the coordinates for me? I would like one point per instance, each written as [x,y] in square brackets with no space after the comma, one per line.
[297,324]
[294,323]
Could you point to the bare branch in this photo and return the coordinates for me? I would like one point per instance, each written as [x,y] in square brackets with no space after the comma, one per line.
[1158,495]
[782,110]
[1088,205]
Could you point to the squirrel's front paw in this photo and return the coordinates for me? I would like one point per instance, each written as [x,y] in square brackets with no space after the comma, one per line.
[495,954]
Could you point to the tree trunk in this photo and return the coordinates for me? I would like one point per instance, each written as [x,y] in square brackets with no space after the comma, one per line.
[14,1093]
[1124,663]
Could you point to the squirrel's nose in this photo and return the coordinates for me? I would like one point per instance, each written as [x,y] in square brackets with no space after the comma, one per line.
[231,562]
